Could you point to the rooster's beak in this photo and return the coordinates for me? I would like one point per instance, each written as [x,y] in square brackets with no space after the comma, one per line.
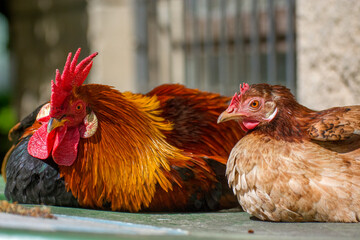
[55,123]
[226,116]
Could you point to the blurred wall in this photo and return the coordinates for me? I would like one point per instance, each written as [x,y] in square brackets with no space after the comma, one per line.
[328,48]
[111,33]
[42,32]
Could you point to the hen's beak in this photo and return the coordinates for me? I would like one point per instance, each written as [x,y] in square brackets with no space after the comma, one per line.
[225,116]
[55,123]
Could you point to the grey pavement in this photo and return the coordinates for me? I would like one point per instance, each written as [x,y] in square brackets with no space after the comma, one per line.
[74,223]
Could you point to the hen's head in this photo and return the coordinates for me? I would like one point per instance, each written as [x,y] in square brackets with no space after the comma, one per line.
[255,105]
[67,117]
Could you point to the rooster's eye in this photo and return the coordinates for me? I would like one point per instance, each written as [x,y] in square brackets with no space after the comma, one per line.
[254,104]
[79,107]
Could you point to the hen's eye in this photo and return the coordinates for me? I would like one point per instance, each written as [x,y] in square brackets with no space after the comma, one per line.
[255,104]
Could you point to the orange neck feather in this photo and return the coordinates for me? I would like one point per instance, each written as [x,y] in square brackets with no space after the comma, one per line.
[126,158]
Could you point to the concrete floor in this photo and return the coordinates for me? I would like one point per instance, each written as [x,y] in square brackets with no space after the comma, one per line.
[74,223]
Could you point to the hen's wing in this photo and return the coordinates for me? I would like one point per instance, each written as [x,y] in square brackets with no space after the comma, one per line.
[335,124]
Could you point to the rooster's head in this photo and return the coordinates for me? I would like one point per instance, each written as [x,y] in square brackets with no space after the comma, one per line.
[67,118]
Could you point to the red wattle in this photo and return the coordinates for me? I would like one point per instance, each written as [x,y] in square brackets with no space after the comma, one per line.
[247,125]
[65,146]
[41,143]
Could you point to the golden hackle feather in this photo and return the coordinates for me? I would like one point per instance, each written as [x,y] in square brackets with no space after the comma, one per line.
[121,163]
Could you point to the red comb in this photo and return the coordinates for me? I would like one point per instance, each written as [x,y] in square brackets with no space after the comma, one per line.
[244,88]
[72,76]
[236,98]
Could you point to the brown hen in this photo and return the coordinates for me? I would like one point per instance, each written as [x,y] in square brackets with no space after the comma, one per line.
[294,164]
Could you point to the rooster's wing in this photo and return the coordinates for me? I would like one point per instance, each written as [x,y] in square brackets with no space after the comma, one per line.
[200,182]
[30,180]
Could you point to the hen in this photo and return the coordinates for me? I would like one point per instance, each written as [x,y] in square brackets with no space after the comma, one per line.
[96,147]
[294,164]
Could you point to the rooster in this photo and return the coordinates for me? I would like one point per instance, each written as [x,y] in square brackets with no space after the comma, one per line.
[294,164]
[95,147]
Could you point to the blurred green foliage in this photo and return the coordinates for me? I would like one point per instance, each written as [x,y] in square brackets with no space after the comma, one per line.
[7,121]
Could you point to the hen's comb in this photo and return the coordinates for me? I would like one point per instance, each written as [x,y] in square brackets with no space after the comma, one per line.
[236,98]
[72,76]
[244,88]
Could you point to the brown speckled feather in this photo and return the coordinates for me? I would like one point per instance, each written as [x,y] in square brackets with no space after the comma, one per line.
[334,124]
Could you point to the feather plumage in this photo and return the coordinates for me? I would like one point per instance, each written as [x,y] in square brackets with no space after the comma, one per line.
[303,165]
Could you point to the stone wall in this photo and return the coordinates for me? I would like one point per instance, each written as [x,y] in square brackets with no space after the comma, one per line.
[328,50]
